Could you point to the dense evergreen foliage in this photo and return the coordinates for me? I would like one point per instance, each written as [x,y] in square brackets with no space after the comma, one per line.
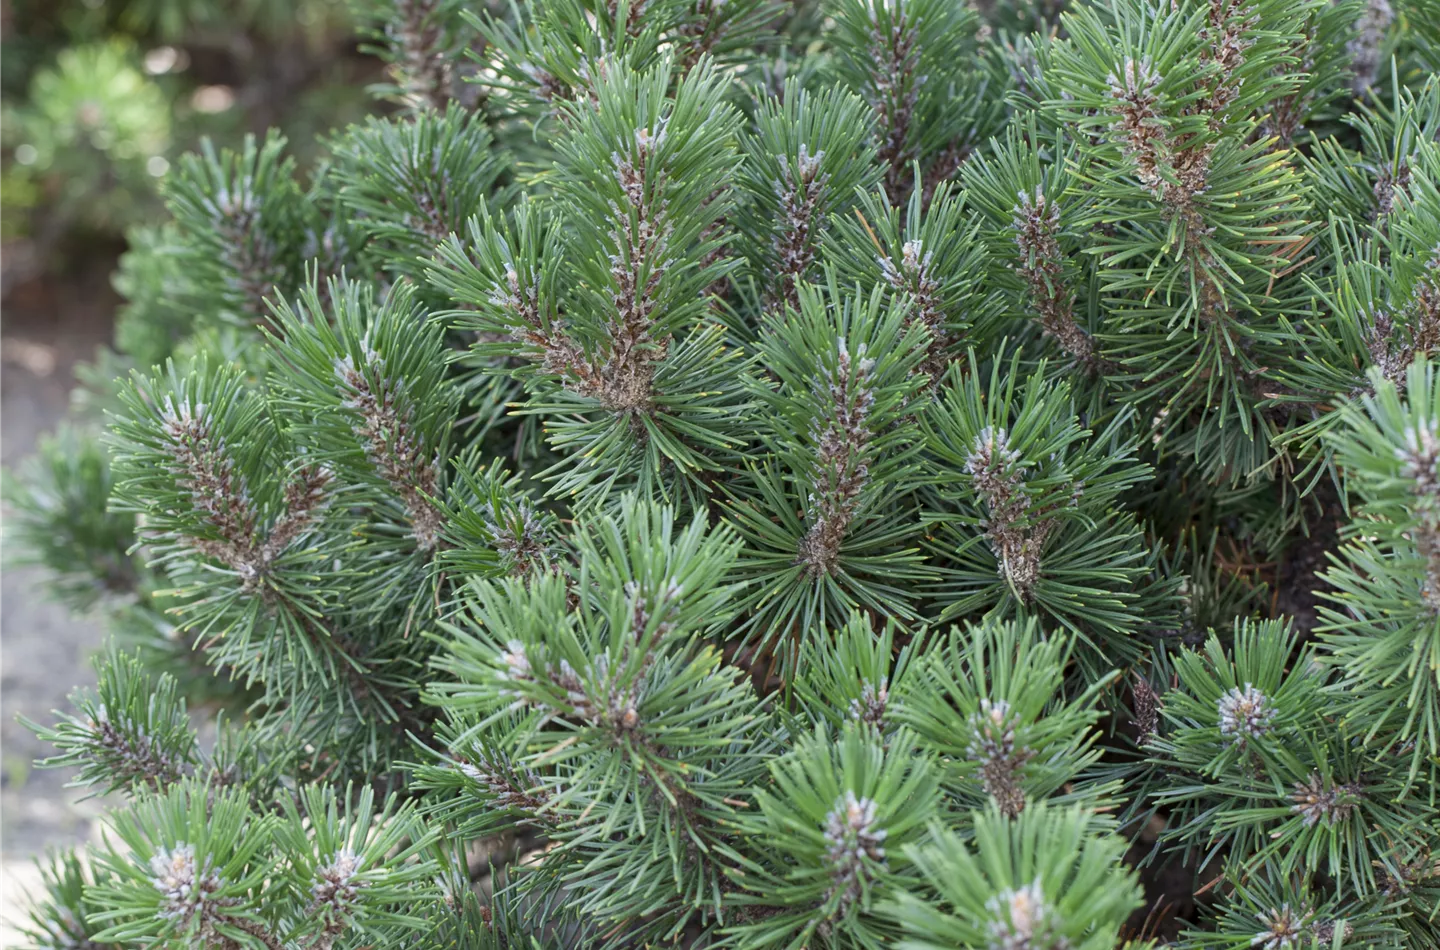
[732,473]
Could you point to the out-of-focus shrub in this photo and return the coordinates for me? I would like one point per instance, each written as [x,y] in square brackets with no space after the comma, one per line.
[86,143]
[100,97]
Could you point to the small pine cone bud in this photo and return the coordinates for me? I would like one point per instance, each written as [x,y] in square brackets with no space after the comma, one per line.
[853,835]
[1284,929]
[1316,801]
[1022,920]
[989,462]
[992,745]
[994,731]
[1140,127]
[870,707]
[1245,714]
[186,887]
[517,663]
[336,887]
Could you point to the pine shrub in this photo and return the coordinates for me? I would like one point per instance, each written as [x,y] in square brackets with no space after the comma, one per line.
[731,473]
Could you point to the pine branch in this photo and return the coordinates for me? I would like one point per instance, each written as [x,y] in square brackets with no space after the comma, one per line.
[840,470]
[386,431]
[1036,227]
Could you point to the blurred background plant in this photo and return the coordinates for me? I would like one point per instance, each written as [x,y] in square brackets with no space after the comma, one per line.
[101,96]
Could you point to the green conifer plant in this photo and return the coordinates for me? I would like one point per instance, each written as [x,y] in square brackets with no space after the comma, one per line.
[848,474]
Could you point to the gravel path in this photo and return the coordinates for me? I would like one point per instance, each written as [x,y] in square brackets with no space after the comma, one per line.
[45,650]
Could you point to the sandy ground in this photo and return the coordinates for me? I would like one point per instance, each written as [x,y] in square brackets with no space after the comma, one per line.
[44,651]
